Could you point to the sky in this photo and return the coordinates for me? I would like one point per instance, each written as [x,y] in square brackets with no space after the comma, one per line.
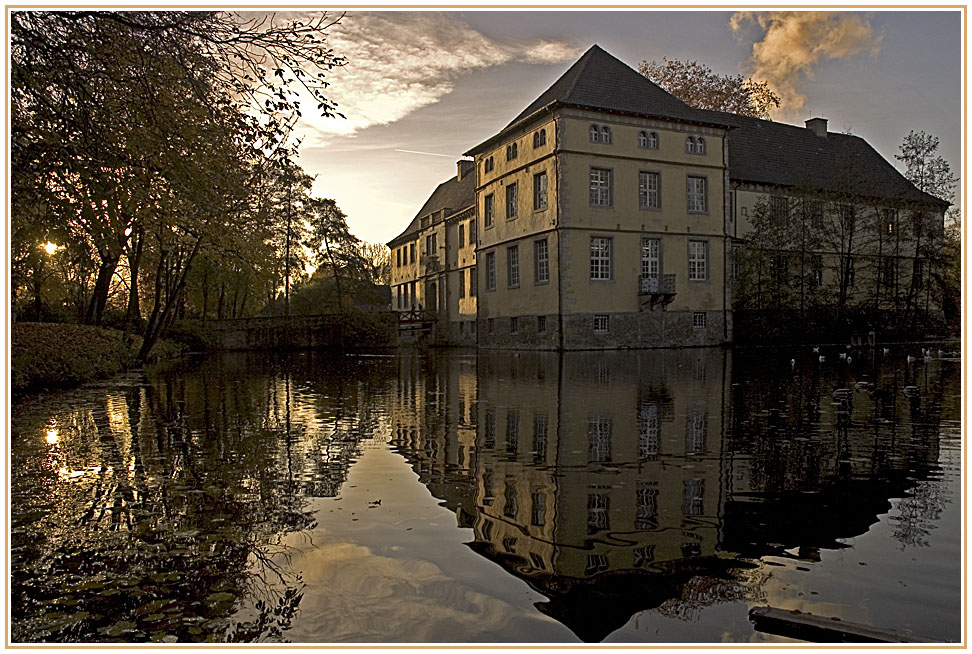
[423,87]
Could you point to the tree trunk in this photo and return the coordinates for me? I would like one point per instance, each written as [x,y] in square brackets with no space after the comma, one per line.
[99,296]
[133,315]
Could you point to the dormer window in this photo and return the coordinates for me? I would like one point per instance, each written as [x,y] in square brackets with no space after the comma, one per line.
[595,134]
[648,140]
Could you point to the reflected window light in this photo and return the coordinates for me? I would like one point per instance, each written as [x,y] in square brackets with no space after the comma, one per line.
[51,436]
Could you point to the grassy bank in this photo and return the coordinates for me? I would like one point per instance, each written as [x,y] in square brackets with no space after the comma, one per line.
[45,356]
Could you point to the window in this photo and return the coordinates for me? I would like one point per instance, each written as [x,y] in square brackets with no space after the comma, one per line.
[693,490]
[696,261]
[462,283]
[601,323]
[643,139]
[541,324]
[490,272]
[540,191]
[540,421]
[399,253]
[509,508]
[488,165]
[541,262]
[597,512]
[472,232]
[473,282]
[695,424]
[605,134]
[647,499]
[512,428]
[779,209]
[407,298]
[490,326]
[513,265]
[539,138]
[696,195]
[648,430]
[411,251]
[700,145]
[514,324]
[538,501]
[648,190]
[430,246]
[488,211]
[595,134]
[652,140]
[462,235]
[889,272]
[698,320]
[511,201]
[398,298]
[599,439]
[511,152]
[600,258]
[690,145]
[650,262]
[816,270]
[600,187]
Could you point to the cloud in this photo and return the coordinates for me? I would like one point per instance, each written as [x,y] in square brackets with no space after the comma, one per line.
[794,41]
[399,62]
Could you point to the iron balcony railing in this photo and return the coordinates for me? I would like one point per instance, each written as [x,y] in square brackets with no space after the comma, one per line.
[653,284]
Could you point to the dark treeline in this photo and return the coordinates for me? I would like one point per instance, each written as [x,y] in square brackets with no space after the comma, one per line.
[153,174]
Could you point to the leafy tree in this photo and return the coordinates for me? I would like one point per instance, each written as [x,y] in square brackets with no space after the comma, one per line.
[335,248]
[377,258]
[931,174]
[696,85]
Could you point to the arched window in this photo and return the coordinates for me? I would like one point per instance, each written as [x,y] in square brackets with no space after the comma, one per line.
[642,139]
[536,139]
[690,145]
[700,145]
[606,134]
[514,150]
[653,141]
[543,137]
[509,152]
[595,134]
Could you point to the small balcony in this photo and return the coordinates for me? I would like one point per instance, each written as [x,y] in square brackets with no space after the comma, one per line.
[656,290]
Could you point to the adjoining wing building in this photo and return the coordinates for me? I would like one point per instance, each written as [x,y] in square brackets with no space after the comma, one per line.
[606,213]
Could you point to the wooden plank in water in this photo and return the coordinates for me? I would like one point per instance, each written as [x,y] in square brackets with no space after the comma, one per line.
[816,629]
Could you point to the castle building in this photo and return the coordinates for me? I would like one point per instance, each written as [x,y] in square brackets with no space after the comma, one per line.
[606,213]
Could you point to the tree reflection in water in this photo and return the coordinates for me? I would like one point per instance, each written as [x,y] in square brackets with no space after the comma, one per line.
[158,512]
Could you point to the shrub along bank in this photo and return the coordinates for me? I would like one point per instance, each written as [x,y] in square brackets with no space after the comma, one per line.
[45,356]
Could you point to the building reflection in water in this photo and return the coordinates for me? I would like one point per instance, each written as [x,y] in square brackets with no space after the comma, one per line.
[614,482]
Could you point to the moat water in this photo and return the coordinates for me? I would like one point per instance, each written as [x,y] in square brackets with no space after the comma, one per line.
[652,496]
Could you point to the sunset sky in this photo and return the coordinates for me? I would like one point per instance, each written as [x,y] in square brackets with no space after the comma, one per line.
[422,87]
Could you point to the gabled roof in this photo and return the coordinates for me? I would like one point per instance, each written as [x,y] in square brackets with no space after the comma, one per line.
[778,154]
[603,82]
[453,194]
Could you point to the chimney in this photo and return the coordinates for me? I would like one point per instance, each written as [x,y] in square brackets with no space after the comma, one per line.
[463,168]
[818,126]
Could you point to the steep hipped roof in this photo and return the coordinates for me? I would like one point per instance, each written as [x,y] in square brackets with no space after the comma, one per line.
[602,82]
[453,194]
[767,152]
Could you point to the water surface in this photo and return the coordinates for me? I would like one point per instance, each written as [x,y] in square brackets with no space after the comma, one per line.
[650,496]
